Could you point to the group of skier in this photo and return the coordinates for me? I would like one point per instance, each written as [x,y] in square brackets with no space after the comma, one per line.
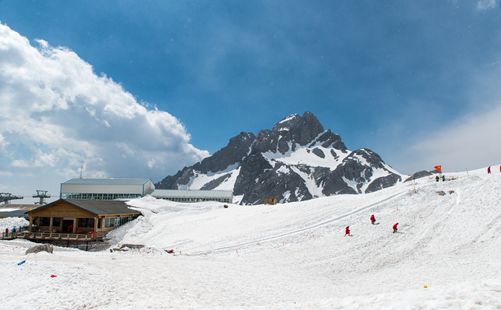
[347,231]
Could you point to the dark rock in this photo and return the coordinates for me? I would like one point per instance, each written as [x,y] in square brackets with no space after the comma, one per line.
[383,182]
[333,153]
[215,183]
[418,175]
[270,183]
[40,248]
[238,147]
[252,167]
[330,139]
[318,152]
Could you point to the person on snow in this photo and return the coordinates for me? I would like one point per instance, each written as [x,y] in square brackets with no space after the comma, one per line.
[347,231]
[395,227]
[7,232]
[373,219]
[489,170]
[437,178]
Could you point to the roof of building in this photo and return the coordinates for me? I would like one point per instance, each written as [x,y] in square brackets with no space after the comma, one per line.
[109,181]
[98,207]
[207,194]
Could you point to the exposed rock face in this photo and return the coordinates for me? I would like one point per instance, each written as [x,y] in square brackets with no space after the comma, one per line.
[40,248]
[418,175]
[237,148]
[296,160]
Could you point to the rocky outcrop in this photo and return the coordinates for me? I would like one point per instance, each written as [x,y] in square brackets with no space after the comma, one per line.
[419,175]
[295,160]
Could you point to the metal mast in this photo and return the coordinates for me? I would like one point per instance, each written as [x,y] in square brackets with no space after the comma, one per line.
[41,195]
[7,197]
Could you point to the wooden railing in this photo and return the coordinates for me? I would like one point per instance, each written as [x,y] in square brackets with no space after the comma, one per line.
[53,236]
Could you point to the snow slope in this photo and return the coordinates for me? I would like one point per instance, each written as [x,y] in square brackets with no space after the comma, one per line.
[290,256]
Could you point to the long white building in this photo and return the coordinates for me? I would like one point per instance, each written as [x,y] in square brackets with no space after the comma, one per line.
[106,189]
[193,195]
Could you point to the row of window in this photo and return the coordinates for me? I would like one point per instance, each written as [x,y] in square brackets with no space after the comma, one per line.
[97,196]
[84,222]
[116,221]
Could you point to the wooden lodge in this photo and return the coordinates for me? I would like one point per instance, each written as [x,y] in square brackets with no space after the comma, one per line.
[80,220]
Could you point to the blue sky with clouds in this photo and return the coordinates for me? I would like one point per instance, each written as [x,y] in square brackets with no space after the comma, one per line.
[390,75]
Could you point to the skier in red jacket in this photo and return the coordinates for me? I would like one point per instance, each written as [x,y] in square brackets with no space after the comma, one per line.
[373,219]
[489,170]
[395,228]
[347,231]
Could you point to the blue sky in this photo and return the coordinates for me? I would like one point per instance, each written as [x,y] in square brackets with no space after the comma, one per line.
[389,75]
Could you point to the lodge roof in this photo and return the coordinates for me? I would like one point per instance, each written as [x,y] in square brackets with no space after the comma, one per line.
[97,207]
[108,181]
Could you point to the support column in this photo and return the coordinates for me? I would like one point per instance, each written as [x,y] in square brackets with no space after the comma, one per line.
[50,224]
[96,221]
[75,222]
[31,221]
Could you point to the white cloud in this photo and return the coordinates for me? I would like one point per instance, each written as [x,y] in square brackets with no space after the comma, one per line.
[470,143]
[487,4]
[56,113]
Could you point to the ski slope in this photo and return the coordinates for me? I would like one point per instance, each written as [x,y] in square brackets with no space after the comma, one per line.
[290,256]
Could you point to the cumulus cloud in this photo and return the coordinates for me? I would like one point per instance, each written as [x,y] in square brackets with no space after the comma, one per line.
[56,114]
[470,143]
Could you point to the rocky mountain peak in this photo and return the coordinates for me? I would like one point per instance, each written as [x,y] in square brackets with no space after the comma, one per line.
[289,133]
[295,160]
[301,129]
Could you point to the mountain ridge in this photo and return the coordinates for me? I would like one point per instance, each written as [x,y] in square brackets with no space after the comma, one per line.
[295,160]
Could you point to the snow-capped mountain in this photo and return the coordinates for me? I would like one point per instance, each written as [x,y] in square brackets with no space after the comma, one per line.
[296,160]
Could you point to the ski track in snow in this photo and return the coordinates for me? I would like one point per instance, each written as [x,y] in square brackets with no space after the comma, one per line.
[297,231]
[291,256]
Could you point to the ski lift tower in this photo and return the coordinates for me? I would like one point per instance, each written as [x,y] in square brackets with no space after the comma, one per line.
[7,197]
[41,195]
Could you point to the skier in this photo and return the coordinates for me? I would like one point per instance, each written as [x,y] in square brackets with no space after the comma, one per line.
[373,219]
[7,232]
[443,178]
[489,170]
[347,231]
[395,228]
[437,178]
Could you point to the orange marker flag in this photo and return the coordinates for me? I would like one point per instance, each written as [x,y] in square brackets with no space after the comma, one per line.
[438,168]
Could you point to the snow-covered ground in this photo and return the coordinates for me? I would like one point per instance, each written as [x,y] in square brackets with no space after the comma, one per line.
[10,222]
[290,256]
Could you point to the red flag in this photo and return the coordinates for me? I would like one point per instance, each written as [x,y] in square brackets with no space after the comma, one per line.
[438,168]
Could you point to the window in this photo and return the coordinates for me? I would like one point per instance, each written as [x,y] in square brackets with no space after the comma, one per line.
[110,222]
[56,221]
[44,221]
[85,223]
